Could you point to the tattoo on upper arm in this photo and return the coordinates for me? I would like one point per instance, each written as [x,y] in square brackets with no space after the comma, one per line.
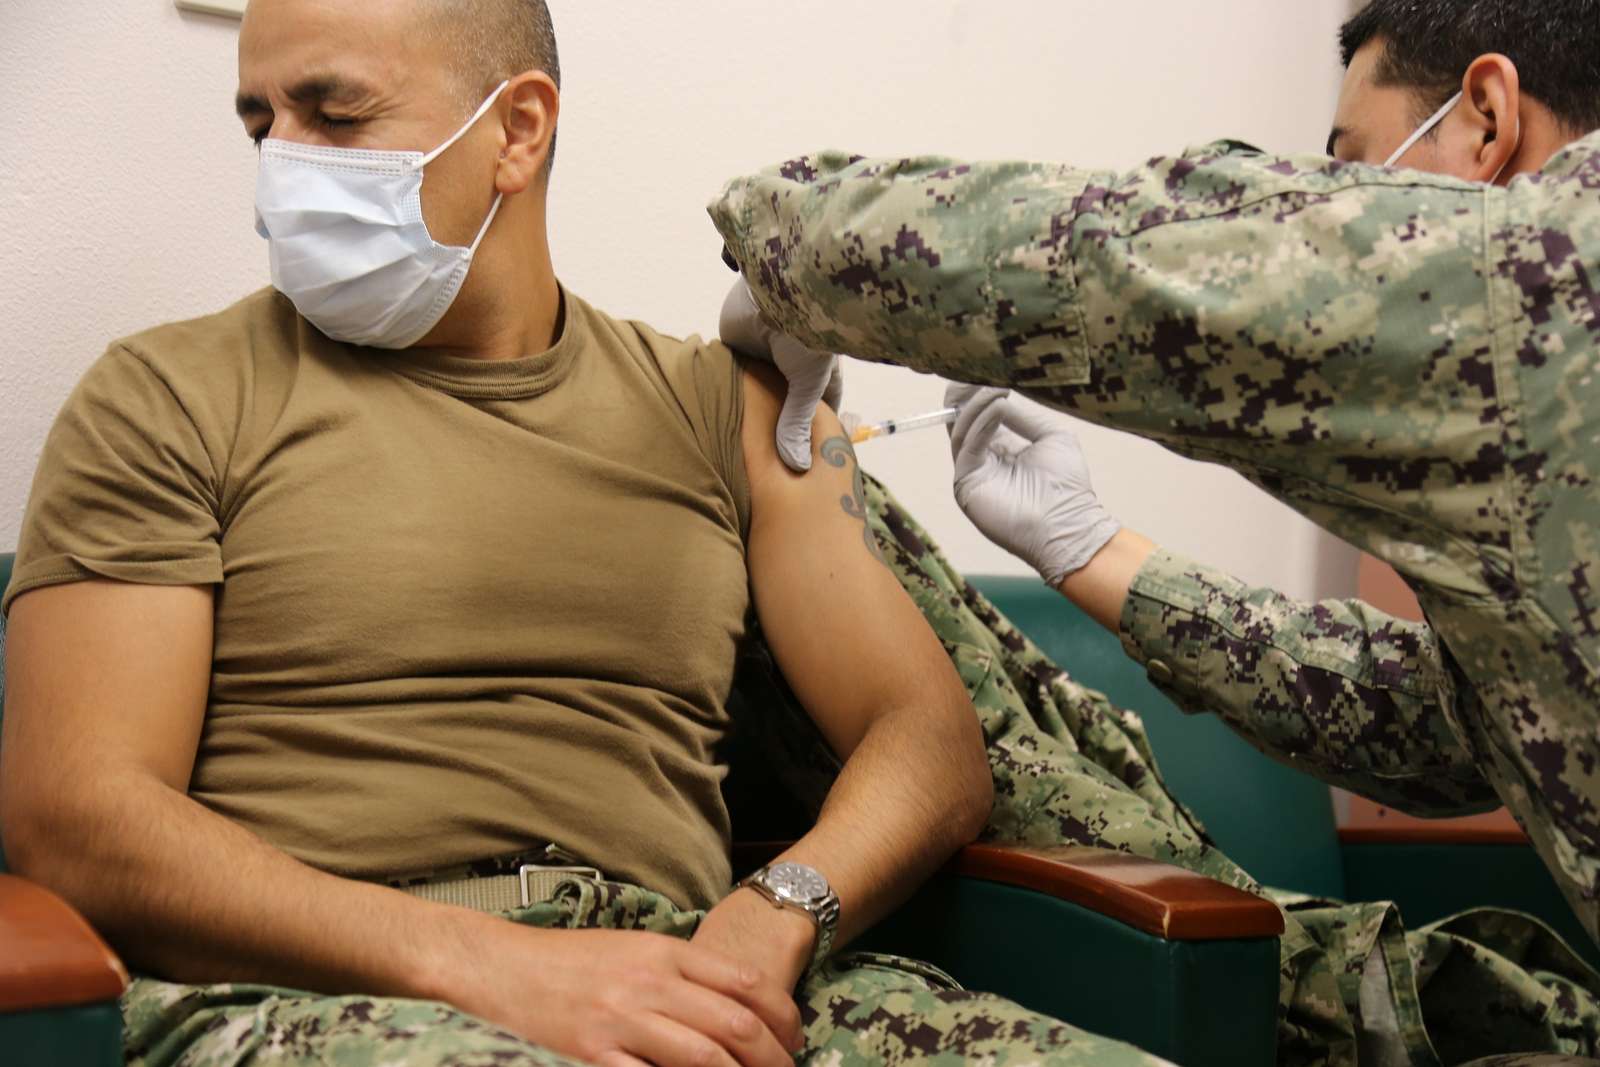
[837,452]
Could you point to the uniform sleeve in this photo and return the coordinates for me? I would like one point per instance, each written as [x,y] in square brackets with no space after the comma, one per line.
[1358,698]
[125,488]
[1328,330]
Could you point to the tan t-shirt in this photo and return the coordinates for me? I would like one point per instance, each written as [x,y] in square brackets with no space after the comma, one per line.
[464,608]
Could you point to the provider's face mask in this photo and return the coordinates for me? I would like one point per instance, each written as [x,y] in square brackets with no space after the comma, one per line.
[347,240]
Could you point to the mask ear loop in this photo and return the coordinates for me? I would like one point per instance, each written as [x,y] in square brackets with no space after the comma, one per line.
[1423,130]
[499,199]
[462,132]
[1514,150]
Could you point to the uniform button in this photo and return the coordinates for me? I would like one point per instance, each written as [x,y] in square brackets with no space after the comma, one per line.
[1160,673]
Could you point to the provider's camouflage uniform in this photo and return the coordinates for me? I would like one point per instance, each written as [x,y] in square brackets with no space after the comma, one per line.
[1070,767]
[1407,359]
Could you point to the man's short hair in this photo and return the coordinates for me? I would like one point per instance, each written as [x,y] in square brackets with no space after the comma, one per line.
[493,40]
[1429,44]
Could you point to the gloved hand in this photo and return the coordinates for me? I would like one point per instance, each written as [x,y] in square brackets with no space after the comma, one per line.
[1022,479]
[814,377]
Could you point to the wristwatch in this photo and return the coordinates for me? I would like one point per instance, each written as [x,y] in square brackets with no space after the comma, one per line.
[800,888]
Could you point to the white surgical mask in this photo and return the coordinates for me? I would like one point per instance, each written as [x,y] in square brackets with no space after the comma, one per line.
[348,244]
[1438,117]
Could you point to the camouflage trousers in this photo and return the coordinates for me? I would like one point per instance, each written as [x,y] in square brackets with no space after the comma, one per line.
[859,1010]
[1069,767]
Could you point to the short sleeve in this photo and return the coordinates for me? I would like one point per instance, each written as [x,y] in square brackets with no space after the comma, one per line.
[709,382]
[125,488]
[720,378]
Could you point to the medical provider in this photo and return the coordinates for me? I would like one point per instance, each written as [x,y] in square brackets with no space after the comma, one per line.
[1406,356]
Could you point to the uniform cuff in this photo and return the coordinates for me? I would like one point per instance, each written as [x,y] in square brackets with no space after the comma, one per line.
[1173,606]
[197,569]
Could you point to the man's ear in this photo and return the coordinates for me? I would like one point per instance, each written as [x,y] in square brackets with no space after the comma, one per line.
[533,110]
[1492,98]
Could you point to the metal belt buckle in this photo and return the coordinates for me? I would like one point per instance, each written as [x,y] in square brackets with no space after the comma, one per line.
[528,869]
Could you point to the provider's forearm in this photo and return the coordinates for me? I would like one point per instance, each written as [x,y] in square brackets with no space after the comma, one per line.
[914,791]
[184,894]
[1336,688]
[1100,589]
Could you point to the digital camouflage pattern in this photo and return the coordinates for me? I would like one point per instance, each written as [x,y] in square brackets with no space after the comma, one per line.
[1287,675]
[1069,767]
[859,1011]
[1407,359]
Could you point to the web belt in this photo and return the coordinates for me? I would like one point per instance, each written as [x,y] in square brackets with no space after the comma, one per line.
[503,892]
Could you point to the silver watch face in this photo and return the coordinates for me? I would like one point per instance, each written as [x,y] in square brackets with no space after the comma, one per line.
[797,882]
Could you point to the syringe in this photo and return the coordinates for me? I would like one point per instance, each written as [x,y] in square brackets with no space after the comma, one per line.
[897,426]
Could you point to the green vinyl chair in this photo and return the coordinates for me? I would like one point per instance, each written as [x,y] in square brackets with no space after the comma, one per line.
[1278,823]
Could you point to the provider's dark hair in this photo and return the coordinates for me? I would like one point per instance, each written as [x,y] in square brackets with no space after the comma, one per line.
[1429,44]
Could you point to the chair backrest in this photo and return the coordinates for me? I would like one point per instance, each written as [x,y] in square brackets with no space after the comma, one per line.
[1275,822]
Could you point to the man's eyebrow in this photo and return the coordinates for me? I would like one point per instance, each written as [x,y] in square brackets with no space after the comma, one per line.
[318,89]
[1333,138]
[247,104]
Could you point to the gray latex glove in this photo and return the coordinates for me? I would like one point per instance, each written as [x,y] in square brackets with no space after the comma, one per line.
[814,377]
[1022,479]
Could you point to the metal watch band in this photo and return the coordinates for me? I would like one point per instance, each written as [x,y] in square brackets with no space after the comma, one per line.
[827,918]
[824,914]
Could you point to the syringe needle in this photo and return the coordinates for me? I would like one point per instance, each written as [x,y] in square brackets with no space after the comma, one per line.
[868,432]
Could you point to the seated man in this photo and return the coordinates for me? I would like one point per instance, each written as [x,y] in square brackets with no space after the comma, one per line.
[334,606]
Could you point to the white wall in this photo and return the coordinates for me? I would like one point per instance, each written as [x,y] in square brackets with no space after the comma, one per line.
[125,183]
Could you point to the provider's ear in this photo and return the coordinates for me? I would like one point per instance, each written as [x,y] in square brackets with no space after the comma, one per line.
[533,108]
[1492,109]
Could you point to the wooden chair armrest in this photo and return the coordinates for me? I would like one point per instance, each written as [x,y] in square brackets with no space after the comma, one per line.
[50,957]
[1165,901]
[1168,902]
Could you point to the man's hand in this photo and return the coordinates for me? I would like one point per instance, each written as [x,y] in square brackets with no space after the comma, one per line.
[621,998]
[814,377]
[748,928]
[1022,480]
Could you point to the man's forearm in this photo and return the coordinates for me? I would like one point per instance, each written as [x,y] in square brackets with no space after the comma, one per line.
[187,895]
[915,790]
[868,670]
